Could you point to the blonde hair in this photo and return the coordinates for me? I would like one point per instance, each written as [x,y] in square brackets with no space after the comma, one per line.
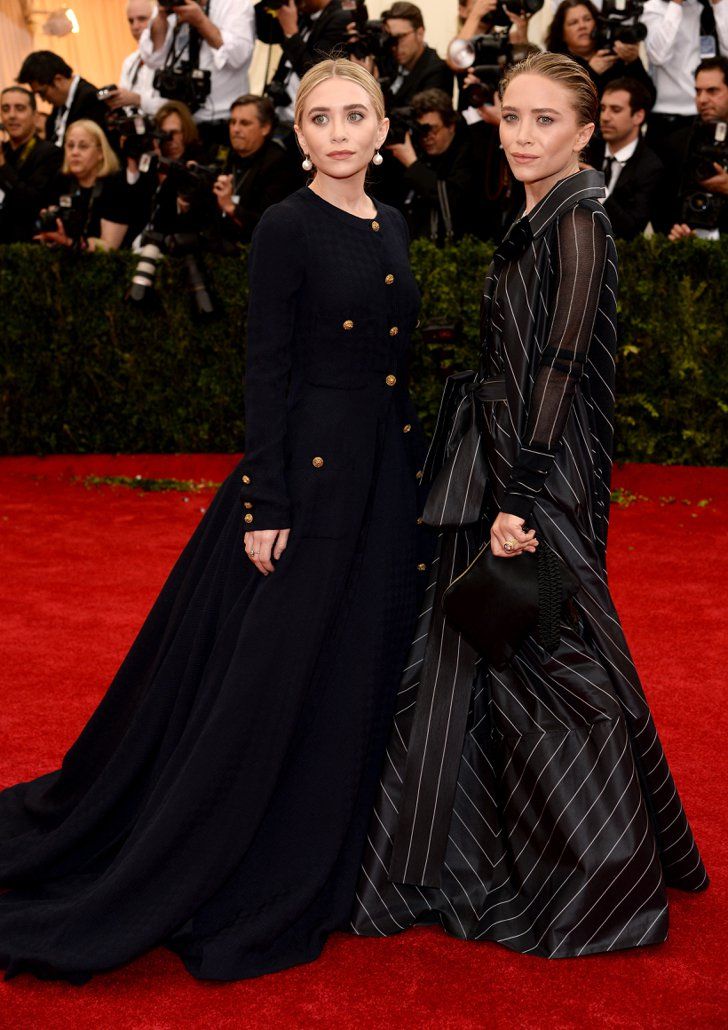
[339,68]
[569,74]
[108,162]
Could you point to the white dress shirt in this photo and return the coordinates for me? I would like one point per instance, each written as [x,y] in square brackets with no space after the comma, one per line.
[673,50]
[229,64]
[138,77]
[620,158]
[63,113]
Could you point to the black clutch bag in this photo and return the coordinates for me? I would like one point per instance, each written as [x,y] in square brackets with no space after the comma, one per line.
[496,602]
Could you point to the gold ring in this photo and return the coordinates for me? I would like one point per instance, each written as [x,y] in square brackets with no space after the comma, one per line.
[510,544]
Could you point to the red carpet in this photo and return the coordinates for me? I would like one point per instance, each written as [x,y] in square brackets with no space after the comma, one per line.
[79,568]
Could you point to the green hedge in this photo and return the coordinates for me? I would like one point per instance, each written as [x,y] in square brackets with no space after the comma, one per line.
[82,370]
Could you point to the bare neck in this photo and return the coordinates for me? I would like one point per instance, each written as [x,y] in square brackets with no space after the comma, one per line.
[347,194]
[536,191]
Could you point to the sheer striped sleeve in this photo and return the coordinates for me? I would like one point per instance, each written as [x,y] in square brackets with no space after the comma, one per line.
[582,249]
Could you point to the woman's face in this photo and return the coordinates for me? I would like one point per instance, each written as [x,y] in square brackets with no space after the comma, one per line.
[339,128]
[579,26]
[174,147]
[83,153]
[539,131]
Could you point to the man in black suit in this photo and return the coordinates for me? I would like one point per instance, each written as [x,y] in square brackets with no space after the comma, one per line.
[417,67]
[259,172]
[72,97]
[311,30]
[28,166]
[632,172]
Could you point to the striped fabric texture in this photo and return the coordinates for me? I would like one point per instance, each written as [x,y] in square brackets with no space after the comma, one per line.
[533,806]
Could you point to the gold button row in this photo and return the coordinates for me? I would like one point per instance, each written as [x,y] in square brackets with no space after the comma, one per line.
[375,226]
[246,480]
[390,380]
[348,324]
[389,279]
[394,330]
[318,463]
[422,567]
[248,518]
[406,427]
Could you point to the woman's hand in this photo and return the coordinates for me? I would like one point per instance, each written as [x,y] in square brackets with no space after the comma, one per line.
[602,61]
[263,545]
[627,52]
[59,238]
[508,529]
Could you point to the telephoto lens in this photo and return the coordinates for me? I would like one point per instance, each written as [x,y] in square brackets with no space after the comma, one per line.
[142,282]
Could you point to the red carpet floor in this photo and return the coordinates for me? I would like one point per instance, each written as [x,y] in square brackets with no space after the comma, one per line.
[79,568]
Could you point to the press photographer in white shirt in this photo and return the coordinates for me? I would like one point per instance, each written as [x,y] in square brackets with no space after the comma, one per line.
[226,29]
[136,89]
[679,36]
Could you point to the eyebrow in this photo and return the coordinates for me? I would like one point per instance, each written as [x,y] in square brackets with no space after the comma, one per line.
[348,107]
[534,110]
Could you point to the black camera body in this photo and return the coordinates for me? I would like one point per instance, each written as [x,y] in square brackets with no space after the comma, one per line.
[708,146]
[185,83]
[137,133]
[619,24]
[519,7]
[105,92]
[189,179]
[67,213]
[402,121]
[487,57]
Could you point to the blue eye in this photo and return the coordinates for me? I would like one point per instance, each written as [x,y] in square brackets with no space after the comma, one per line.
[545,119]
[509,117]
[319,119]
[356,115]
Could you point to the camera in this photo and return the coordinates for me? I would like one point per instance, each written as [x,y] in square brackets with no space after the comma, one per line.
[619,22]
[190,179]
[188,246]
[708,145]
[189,85]
[70,217]
[137,133]
[486,57]
[105,92]
[278,94]
[402,121]
[519,7]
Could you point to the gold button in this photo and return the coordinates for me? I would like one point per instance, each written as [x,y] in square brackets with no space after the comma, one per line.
[390,380]
[389,279]
[394,330]
[418,475]
[375,226]
[406,427]
[248,518]
[247,505]
[246,480]
[318,463]
[421,567]
[420,521]
[348,324]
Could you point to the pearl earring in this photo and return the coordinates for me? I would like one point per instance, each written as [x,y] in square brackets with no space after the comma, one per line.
[307,164]
[377,159]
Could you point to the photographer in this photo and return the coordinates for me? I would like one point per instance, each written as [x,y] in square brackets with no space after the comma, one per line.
[632,172]
[48,75]
[694,201]
[679,33]
[310,30]
[258,173]
[28,166]
[202,52]
[91,204]
[417,67]
[136,79]
[575,33]
[438,170]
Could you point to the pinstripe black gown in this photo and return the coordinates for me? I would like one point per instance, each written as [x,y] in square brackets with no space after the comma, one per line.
[532,806]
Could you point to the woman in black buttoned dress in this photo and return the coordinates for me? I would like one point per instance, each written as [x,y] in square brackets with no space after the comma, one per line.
[218,799]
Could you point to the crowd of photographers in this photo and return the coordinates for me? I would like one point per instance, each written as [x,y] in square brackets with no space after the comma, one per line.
[180,157]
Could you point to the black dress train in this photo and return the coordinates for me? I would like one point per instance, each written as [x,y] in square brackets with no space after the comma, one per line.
[217,800]
[531,806]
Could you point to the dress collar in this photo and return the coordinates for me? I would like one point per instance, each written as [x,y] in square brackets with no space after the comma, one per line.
[584,185]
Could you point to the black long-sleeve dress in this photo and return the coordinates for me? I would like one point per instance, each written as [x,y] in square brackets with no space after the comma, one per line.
[217,800]
[531,805]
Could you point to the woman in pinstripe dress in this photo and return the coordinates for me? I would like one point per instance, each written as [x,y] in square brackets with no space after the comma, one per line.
[532,805]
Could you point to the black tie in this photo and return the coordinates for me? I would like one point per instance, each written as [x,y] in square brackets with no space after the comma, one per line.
[607,168]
